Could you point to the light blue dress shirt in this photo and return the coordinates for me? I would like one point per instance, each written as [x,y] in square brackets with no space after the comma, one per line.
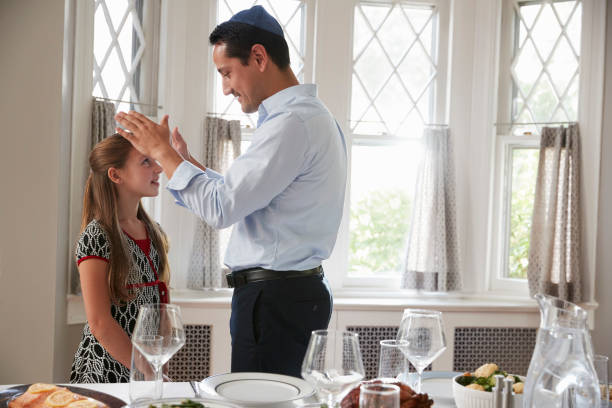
[284,195]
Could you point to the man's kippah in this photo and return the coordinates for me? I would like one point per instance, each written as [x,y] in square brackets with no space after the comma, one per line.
[258,17]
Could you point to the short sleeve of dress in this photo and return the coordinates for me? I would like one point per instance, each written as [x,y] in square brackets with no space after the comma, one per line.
[93,243]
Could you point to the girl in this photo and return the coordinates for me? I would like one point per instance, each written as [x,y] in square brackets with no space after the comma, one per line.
[121,257]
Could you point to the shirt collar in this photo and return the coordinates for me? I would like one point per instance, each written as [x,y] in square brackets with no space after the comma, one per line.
[282,98]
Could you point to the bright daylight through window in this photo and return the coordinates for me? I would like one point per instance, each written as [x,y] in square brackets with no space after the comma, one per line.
[124,59]
[545,78]
[392,99]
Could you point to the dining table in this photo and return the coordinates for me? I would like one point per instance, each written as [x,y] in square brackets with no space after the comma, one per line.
[438,384]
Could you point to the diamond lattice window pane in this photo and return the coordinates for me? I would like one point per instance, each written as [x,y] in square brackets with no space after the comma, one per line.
[527,69]
[574,28]
[543,100]
[113,76]
[359,99]
[375,14]
[418,16]
[546,63]
[546,31]
[416,70]
[564,10]
[563,65]
[399,86]
[362,33]
[291,16]
[117,10]
[119,44]
[372,75]
[396,27]
[392,102]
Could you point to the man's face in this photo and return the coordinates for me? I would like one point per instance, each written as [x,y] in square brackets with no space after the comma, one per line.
[242,81]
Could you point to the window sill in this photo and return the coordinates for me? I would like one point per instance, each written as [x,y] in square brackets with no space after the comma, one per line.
[359,300]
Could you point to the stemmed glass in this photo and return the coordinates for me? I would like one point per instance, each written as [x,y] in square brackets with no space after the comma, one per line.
[424,333]
[158,333]
[332,364]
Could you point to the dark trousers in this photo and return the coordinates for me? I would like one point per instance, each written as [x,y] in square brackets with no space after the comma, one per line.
[272,320]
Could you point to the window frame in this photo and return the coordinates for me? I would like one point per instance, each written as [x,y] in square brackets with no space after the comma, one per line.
[339,260]
[591,63]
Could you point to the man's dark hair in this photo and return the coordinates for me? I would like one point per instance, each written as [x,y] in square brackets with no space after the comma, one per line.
[239,38]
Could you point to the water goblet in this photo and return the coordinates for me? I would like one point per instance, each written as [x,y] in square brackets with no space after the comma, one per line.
[146,382]
[423,331]
[332,364]
[155,321]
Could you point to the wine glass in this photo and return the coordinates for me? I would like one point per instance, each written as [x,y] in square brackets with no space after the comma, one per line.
[158,322]
[423,331]
[332,364]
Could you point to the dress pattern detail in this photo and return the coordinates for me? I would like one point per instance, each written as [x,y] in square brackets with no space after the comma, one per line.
[92,363]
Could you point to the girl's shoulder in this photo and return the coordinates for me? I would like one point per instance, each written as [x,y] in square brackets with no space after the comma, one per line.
[93,243]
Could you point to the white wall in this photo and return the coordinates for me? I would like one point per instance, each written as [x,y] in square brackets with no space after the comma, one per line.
[35,342]
[602,336]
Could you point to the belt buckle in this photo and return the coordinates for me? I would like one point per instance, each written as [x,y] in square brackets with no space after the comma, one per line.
[230,280]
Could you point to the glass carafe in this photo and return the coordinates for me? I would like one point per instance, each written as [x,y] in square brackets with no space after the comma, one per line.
[561,372]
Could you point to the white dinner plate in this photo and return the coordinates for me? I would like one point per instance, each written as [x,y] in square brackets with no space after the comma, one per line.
[439,386]
[255,389]
[207,403]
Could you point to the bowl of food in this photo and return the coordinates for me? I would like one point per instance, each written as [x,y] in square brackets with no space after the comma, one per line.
[475,390]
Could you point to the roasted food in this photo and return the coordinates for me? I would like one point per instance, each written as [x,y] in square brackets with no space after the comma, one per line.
[408,397]
[41,395]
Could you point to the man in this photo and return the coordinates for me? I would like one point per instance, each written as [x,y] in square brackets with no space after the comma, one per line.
[284,195]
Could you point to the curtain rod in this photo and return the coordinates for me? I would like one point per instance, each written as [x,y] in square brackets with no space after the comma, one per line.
[130,102]
[533,123]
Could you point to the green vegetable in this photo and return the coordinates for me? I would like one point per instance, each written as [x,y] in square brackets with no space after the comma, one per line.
[465,380]
[187,403]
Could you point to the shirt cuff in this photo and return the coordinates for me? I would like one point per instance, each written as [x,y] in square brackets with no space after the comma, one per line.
[184,173]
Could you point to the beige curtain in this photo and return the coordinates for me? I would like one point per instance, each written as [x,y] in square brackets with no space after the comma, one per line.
[554,252]
[431,261]
[220,146]
[102,120]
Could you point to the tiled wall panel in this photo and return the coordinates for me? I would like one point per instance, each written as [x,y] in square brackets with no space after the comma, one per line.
[192,362]
[508,347]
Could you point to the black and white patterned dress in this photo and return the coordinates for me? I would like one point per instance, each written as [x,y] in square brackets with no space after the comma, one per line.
[92,363]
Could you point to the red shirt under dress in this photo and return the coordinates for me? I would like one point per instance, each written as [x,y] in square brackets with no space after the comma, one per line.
[145,247]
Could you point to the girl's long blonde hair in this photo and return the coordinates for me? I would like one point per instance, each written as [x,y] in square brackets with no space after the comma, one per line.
[100,203]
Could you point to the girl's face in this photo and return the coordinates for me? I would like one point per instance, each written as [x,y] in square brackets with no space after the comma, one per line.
[140,175]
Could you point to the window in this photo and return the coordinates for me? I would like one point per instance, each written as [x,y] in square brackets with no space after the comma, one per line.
[125,53]
[291,15]
[540,87]
[391,101]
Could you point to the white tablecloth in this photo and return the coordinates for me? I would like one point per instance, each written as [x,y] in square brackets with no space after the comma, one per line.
[433,386]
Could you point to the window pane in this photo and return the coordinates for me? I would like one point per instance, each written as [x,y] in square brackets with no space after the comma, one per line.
[118,49]
[546,63]
[395,95]
[524,172]
[382,182]
[291,15]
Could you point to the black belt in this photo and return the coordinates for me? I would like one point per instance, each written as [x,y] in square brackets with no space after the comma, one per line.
[240,278]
